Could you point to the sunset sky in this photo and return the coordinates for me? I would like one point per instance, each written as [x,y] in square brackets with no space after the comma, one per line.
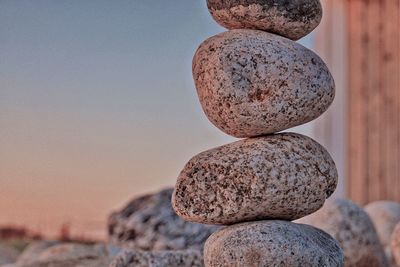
[97,105]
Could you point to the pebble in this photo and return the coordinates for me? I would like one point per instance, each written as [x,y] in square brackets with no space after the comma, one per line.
[351,226]
[252,83]
[291,19]
[272,243]
[283,176]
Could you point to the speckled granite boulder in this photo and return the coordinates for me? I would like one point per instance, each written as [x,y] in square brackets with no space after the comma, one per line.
[351,226]
[282,176]
[252,83]
[136,258]
[385,215]
[395,245]
[150,223]
[272,243]
[293,19]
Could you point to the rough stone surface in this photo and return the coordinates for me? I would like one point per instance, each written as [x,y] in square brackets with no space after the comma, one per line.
[351,226]
[283,176]
[293,19]
[67,255]
[252,83]
[395,245]
[7,255]
[385,215]
[150,223]
[272,243]
[183,258]
[33,250]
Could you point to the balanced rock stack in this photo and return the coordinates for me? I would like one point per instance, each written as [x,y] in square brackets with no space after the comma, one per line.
[252,82]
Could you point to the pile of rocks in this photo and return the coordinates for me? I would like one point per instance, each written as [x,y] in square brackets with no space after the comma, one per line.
[252,82]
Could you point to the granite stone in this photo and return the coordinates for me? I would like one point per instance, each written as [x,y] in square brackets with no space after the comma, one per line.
[272,243]
[351,226]
[385,215]
[149,223]
[293,19]
[177,258]
[282,176]
[252,83]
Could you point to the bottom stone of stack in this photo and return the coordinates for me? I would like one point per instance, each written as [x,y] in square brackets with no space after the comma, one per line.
[272,243]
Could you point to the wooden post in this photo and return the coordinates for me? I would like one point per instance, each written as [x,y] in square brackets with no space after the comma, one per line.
[331,45]
[370,89]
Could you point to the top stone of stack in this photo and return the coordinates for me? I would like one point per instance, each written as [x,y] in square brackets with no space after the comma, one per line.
[292,19]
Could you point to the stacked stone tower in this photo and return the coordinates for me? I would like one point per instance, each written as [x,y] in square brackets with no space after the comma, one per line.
[254,81]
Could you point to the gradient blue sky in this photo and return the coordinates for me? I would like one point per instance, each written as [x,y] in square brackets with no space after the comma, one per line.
[97,104]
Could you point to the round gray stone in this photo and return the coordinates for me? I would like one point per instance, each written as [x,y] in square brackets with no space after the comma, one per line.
[252,83]
[272,243]
[149,223]
[293,19]
[282,176]
[385,215]
[351,226]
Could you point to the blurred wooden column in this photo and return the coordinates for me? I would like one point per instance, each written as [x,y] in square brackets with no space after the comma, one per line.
[331,44]
[370,92]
